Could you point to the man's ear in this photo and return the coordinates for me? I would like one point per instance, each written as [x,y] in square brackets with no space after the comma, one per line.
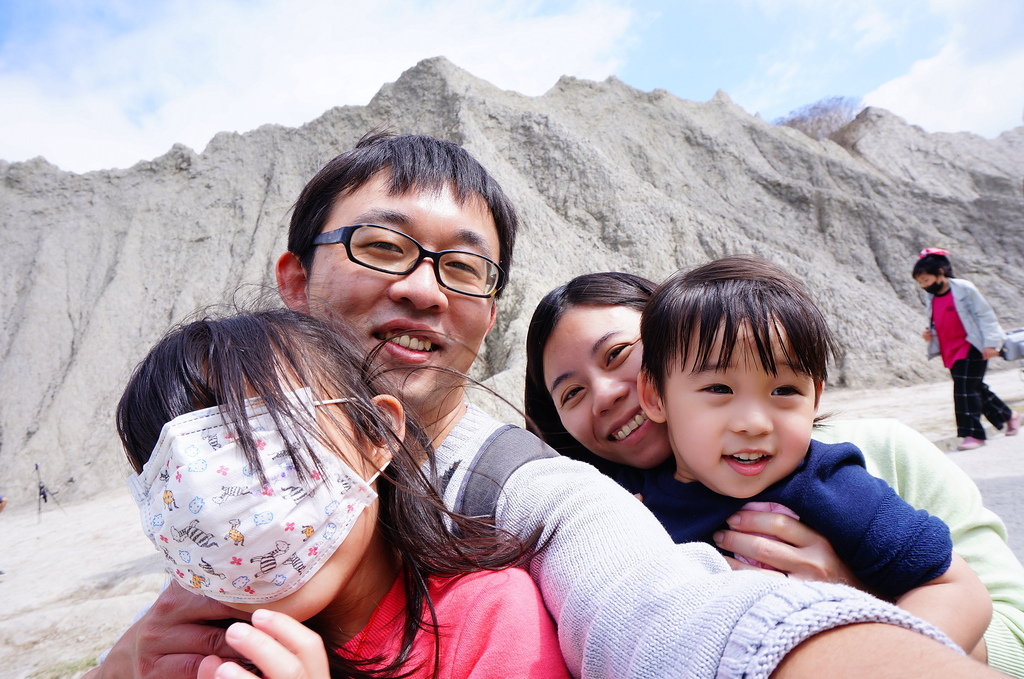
[494,315]
[291,283]
[650,399]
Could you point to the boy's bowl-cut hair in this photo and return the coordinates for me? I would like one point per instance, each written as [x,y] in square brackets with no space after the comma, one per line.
[692,310]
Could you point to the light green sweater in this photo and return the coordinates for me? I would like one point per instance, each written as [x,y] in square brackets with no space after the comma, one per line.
[927,479]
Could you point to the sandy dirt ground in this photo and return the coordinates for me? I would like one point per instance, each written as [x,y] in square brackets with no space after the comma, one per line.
[927,408]
[75,574]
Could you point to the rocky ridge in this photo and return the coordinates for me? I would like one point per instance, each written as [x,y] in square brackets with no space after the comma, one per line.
[98,266]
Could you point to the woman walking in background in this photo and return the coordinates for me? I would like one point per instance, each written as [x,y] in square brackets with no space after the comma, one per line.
[965,332]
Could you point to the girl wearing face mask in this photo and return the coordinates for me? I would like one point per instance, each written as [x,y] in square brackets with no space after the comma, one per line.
[583,359]
[963,329]
[277,474]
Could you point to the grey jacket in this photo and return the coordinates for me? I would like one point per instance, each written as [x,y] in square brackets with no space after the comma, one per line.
[983,329]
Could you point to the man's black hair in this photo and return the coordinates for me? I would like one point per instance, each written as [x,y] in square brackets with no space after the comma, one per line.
[410,162]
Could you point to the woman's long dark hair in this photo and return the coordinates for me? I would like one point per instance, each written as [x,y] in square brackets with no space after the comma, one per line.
[224,361]
[610,288]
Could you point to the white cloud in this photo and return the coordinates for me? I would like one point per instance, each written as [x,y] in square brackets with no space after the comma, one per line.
[875,27]
[196,68]
[821,42]
[975,82]
[947,93]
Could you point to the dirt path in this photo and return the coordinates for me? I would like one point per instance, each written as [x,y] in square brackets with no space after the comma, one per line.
[927,408]
[74,577]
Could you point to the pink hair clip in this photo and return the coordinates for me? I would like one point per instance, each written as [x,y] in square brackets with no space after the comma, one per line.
[933,251]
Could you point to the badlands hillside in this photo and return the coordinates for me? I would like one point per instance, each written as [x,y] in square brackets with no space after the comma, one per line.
[97,266]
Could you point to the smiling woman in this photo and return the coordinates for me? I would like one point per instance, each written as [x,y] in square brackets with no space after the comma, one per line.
[586,386]
[597,321]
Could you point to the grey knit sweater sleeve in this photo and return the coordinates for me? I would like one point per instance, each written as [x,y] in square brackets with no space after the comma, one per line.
[630,603]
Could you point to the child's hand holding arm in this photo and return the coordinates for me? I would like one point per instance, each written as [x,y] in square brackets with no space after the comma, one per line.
[957,603]
[279,645]
[786,544]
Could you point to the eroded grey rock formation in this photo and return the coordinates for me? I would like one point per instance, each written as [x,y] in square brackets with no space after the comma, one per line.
[96,267]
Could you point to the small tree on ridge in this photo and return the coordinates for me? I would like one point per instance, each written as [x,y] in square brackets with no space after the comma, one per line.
[822,118]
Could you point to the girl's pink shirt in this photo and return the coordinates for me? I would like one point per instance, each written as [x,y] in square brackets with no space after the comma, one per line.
[950,330]
[493,625]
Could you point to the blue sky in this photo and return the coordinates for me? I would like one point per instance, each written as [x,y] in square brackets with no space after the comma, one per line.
[91,85]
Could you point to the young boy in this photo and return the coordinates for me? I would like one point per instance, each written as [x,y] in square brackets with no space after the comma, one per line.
[735,357]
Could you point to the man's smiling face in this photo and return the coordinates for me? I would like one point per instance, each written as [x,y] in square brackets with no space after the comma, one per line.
[422,324]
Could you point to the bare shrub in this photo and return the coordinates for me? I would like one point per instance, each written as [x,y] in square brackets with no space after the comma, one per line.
[822,118]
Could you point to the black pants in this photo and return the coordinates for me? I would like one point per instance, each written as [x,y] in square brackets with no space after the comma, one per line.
[972,398]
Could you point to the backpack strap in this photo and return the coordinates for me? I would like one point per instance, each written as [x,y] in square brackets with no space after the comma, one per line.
[504,451]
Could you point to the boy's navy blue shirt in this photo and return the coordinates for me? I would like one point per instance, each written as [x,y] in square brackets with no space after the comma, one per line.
[888,544]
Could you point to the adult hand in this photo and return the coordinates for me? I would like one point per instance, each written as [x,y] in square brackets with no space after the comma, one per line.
[279,645]
[797,550]
[170,640]
[989,352]
[927,335]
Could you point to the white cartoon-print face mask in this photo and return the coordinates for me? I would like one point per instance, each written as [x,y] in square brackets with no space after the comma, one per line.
[224,533]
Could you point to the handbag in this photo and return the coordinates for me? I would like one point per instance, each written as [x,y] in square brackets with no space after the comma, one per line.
[1013,345]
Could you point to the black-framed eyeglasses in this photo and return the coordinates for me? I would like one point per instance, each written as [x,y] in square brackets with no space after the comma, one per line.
[383,249]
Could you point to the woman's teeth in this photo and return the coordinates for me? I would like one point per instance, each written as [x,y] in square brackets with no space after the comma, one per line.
[630,427]
[410,342]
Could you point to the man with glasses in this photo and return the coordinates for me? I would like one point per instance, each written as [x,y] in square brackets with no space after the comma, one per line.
[389,252]
[409,239]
